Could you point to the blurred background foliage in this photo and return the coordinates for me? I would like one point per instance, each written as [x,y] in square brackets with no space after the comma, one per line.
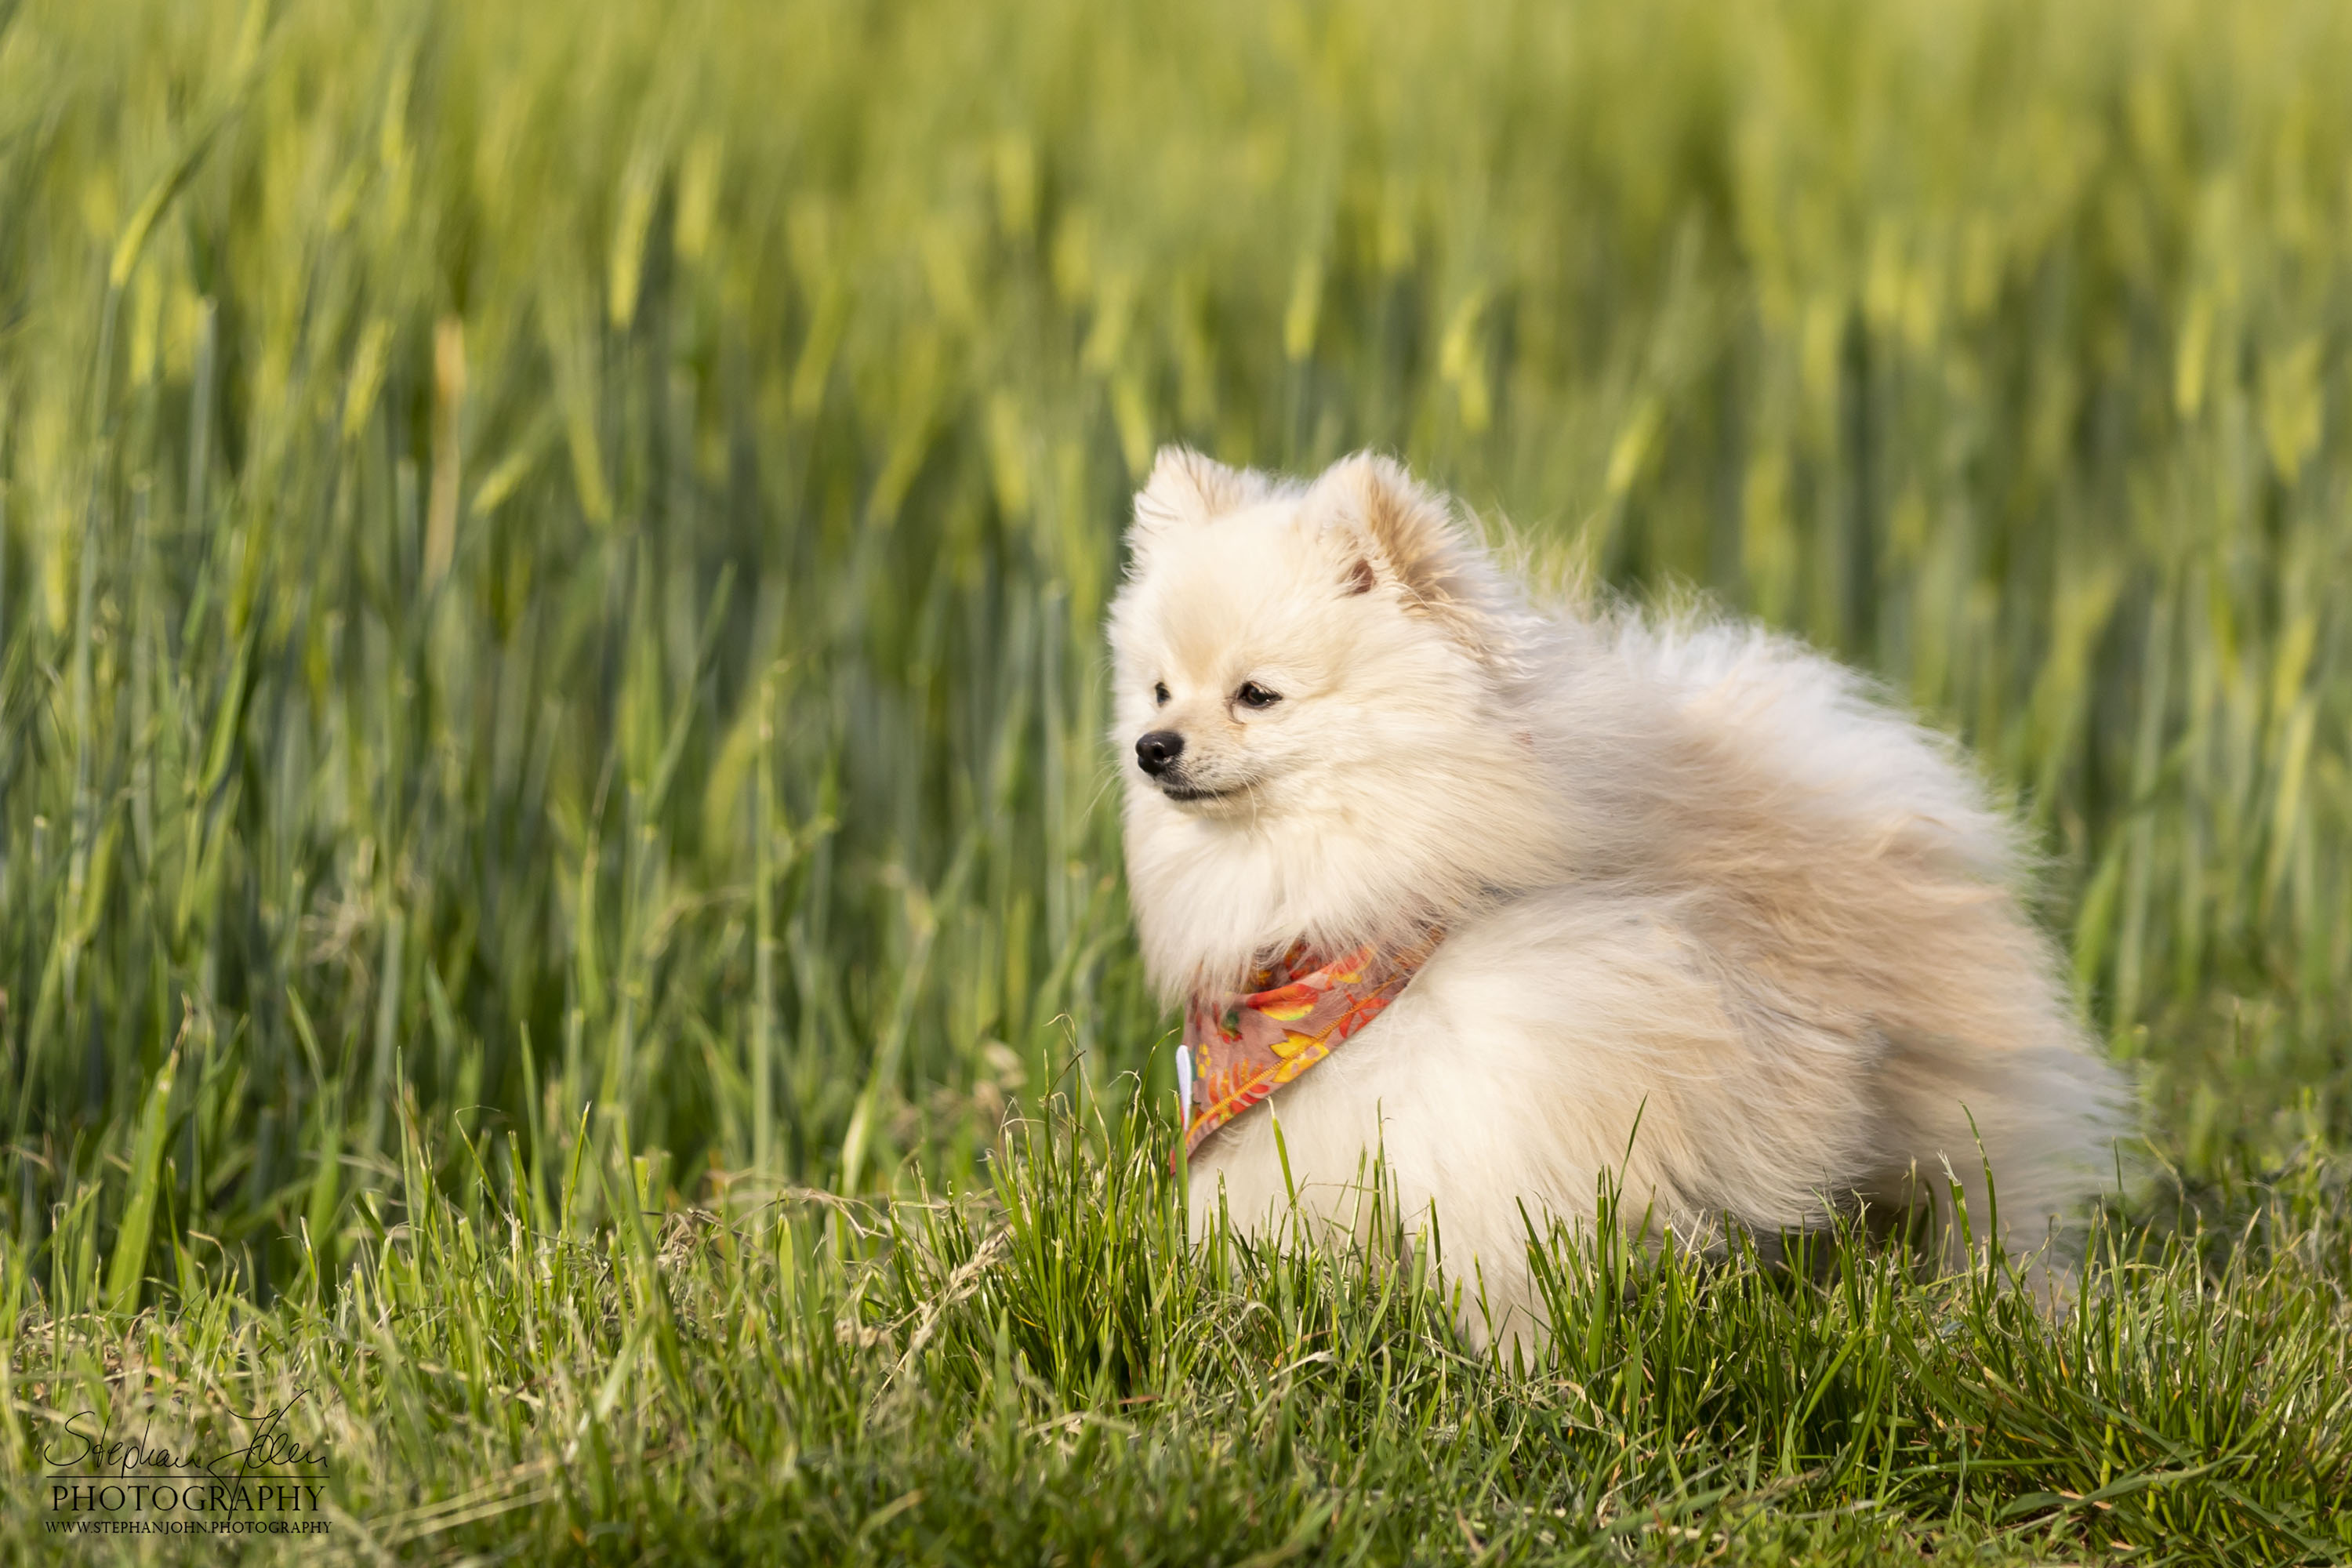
[550,560]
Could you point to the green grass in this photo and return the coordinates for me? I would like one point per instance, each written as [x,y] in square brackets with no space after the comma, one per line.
[550,577]
[1046,1372]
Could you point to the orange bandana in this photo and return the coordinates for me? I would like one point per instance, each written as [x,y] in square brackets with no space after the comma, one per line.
[1241,1046]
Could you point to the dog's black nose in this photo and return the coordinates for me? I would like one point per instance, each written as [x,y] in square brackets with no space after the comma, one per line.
[1158,751]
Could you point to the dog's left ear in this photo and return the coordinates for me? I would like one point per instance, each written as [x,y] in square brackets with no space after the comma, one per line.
[1187,487]
[1391,530]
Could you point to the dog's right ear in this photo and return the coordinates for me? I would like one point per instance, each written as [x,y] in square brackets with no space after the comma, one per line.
[1393,532]
[1187,487]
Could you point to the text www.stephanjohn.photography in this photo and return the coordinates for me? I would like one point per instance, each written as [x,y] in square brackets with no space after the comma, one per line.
[258,1481]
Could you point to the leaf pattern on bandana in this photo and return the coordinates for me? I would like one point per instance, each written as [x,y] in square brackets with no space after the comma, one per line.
[1244,1045]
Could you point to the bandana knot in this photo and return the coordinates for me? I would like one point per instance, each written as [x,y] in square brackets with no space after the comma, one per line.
[1242,1045]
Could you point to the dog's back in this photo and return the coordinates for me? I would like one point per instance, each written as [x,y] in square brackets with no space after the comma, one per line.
[1843,867]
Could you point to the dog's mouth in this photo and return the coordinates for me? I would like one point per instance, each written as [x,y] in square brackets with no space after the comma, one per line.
[1193,794]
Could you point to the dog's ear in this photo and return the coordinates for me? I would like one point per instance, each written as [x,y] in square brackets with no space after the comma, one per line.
[1393,531]
[1187,487]
[1388,531]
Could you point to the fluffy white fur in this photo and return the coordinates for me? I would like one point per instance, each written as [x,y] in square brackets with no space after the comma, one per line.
[1723,931]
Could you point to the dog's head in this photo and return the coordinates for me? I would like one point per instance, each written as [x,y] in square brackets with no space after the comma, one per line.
[1283,648]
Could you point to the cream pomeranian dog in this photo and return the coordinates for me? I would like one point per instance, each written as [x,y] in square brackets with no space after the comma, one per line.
[1530,905]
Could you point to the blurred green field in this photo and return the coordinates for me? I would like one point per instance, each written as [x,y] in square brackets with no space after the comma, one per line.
[550,562]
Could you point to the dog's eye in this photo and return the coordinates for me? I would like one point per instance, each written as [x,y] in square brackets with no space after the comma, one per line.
[1160,692]
[1252,695]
